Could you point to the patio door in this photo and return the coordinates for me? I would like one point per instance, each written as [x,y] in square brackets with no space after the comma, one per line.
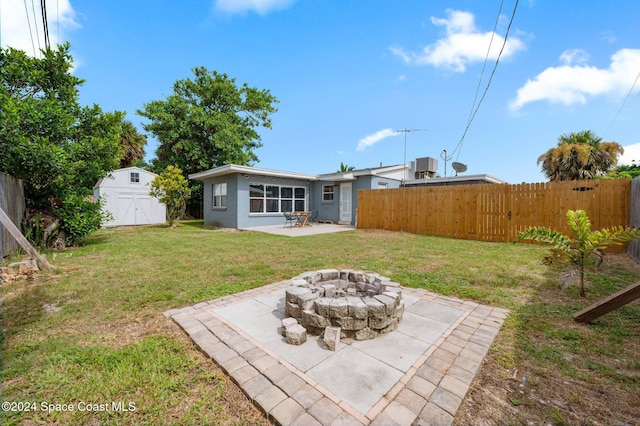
[345,203]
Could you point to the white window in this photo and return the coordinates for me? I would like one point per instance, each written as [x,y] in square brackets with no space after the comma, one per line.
[383,185]
[327,192]
[219,191]
[276,198]
[134,177]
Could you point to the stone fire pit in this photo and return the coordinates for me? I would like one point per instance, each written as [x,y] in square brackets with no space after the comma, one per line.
[362,305]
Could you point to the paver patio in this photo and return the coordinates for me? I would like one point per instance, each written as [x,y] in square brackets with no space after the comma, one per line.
[419,373]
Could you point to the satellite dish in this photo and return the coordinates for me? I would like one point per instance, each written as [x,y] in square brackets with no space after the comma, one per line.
[459,167]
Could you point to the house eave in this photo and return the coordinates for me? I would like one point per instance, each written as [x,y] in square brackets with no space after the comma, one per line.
[236,169]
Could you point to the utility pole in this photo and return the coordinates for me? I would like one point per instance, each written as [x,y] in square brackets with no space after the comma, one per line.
[405,131]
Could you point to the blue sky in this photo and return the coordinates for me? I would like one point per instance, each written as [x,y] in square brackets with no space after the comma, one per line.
[349,74]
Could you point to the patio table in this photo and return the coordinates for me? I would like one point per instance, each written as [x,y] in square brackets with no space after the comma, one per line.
[302,219]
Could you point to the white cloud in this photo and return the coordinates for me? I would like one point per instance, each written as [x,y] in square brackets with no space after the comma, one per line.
[262,7]
[22,29]
[367,141]
[574,56]
[631,155]
[569,84]
[463,44]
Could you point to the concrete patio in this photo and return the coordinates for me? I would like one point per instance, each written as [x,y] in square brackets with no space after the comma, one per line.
[296,231]
[417,374]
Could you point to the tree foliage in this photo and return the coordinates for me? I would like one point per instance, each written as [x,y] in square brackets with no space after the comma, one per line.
[584,244]
[208,122]
[625,171]
[58,148]
[345,168]
[171,188]
[580,155]
[132,145]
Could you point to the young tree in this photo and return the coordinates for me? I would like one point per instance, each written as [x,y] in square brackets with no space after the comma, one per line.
[580,155]
[208,122]
[58,148]
[171,188]
[584,244]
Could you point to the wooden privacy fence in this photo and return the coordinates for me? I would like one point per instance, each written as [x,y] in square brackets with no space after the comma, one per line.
[493,212]
[12,202]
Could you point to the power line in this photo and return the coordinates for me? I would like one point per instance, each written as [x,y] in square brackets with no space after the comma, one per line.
[35,26]
[45,24]
[26,9]
[486,59]
[623,103]
[459,145]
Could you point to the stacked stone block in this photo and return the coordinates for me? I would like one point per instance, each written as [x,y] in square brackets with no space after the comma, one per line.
[363,305]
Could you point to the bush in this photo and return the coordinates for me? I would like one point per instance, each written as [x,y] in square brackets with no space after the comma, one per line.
[80,217]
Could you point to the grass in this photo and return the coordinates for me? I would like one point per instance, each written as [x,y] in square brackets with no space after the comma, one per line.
[93,330]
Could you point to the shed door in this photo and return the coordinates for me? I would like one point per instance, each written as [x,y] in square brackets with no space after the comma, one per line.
[134,209]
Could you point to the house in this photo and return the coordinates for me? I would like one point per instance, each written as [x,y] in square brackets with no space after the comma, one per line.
[243,197]
[126,195]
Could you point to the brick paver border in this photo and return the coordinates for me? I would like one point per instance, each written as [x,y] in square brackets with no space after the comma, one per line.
[429,393]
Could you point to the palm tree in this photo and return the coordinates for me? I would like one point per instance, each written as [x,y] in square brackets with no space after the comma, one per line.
[578,249]
[132,144]
[580,155]
[345,168]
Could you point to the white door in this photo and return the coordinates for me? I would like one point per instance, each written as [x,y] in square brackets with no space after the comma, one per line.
[345,203]
[126,214]
[134,209]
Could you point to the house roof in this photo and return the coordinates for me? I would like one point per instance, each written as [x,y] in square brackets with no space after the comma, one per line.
[459,180]
[336,177]
[234,168]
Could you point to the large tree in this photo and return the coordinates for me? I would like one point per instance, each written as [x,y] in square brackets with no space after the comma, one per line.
[579,155]
[207,122]
[59,148]
[132,144]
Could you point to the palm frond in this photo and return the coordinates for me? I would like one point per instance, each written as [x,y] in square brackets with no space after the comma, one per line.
[542,235]
[613,236]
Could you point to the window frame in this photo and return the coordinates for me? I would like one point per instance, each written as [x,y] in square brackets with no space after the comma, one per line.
[132,175]
[275,197]
[327,193]
[219,201]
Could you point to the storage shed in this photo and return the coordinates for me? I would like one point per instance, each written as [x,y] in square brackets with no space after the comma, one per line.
[126,195]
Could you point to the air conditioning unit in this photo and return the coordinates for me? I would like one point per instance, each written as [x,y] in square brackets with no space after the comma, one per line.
[426,167]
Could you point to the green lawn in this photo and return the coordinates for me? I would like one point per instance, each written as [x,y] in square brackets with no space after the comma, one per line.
[92,332]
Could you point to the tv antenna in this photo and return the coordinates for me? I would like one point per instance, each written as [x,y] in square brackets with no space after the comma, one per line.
[405,131]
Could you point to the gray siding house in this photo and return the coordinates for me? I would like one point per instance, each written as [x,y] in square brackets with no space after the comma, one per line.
[244,197]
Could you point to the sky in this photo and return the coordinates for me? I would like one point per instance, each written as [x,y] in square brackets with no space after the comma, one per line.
[490,84]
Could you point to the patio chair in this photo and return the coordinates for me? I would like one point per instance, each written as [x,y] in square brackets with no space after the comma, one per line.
[289,218]
[314,216]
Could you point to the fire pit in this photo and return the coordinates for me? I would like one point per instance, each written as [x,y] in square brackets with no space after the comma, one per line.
[363,305]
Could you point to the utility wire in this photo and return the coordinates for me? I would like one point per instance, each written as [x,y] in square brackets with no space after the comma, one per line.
[35,26]
[486,59]
[623,103]
[459,145]
[45,24]
[26,9]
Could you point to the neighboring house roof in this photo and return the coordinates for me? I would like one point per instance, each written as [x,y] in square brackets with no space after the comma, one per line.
[454,180]
[386,171]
